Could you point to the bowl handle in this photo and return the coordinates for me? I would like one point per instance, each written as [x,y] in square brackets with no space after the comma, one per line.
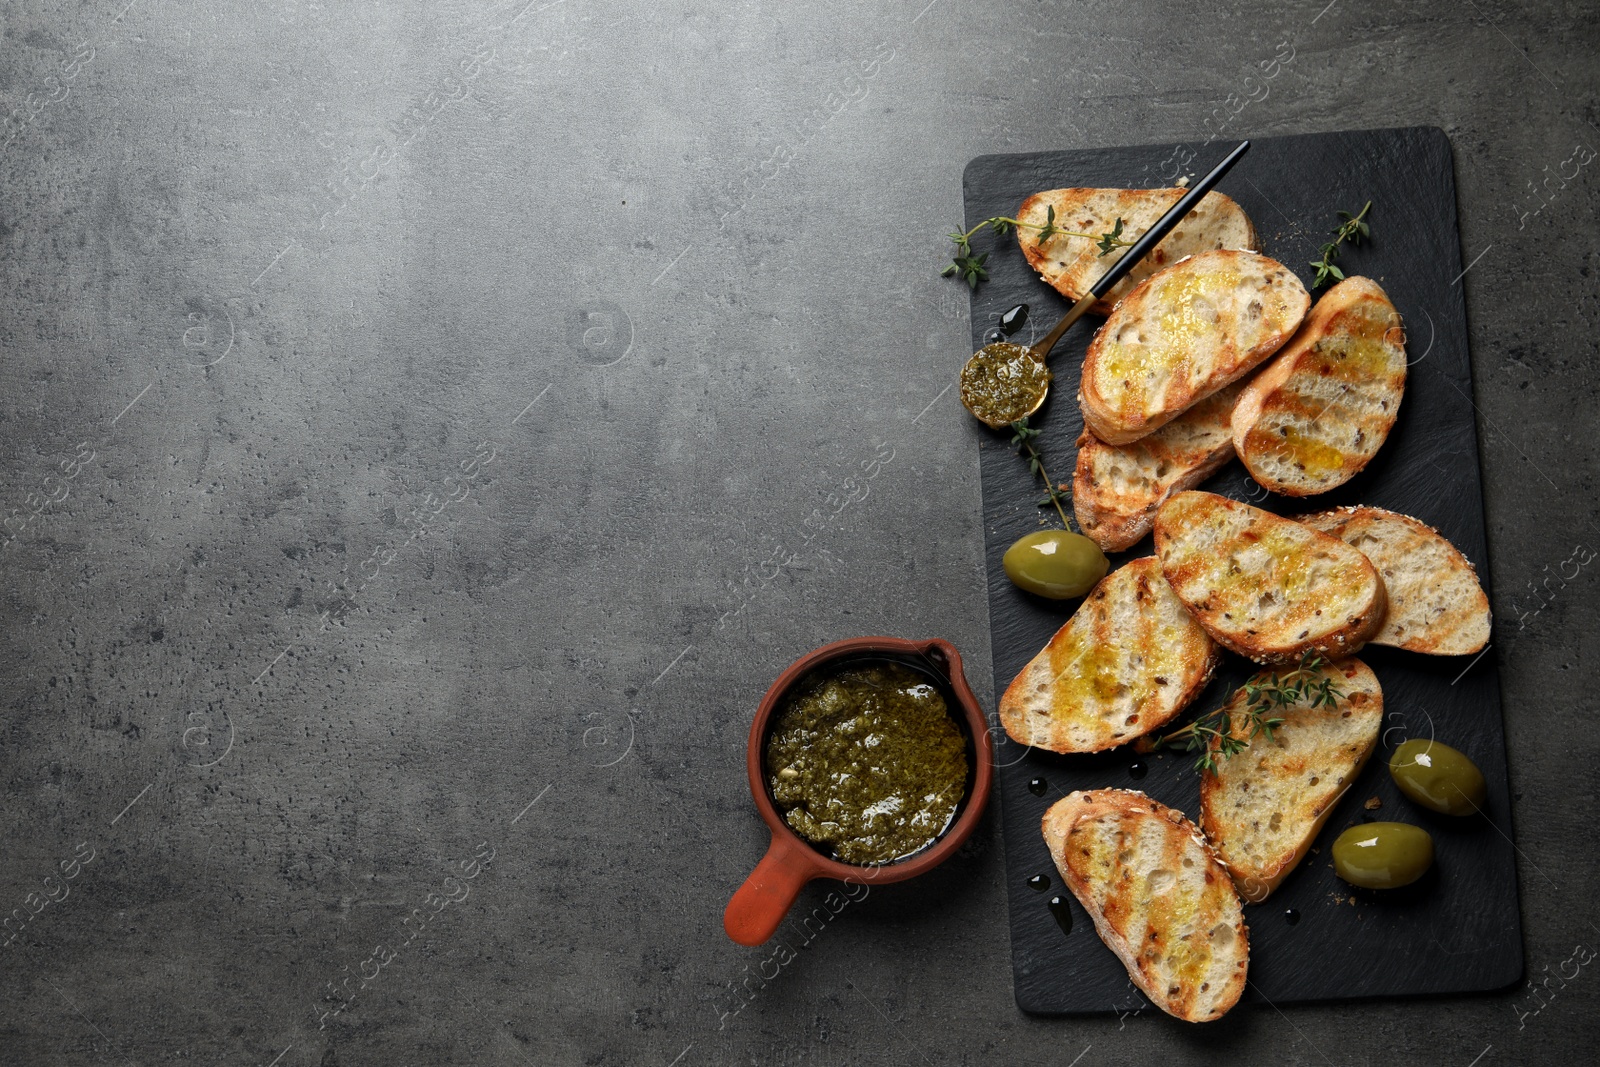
[761,903]
[942,655]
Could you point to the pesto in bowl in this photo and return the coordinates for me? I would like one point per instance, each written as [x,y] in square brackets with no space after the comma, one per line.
[866,762]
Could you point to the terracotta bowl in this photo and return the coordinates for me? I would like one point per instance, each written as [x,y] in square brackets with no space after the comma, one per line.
[791,861]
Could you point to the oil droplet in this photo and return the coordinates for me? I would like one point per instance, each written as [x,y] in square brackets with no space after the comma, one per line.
[1013,320]
[1063,913]
[1039,883]
[1291,916]
[1038,786]
[1137,769]
[992,336]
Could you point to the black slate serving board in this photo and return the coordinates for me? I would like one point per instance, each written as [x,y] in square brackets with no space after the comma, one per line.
[1456,931]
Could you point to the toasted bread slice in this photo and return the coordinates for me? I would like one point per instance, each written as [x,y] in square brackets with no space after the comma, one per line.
[1071,265]
[1126,663]
[1263,807]
[1158,897]
[1116,489]
[1183,334]
[1268,588]
[1436,604]
[1323,407]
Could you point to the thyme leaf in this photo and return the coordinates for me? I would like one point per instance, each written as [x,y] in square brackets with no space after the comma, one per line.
[1022,436]
[1266,697]
[969,267]
[1352,228]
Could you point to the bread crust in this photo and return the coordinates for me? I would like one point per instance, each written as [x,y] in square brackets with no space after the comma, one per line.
[1126,663]
[1318,413]
[1116,489]
[1185,333]
[1145,874]
[1071,265]
[1437,605]
[1314,757]
[1263,588]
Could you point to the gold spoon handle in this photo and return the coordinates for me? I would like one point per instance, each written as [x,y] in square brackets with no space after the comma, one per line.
[1041,351]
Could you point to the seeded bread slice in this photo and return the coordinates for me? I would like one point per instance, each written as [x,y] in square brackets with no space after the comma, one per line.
[1183,334]
[1436,604]
[1116,489]
[1158,896]
[1127,662]
[1266,587]
[1071,265]
[1323,407]
[1263,807]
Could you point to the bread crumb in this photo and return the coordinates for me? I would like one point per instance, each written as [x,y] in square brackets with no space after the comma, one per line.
[1374,803]
[1183,182]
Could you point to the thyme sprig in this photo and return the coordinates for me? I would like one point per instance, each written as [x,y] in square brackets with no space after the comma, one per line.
[1352,229]
[1265,697]
[1022,436]
[970,266]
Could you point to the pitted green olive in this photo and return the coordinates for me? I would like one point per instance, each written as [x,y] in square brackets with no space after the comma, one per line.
[1058,564]
[1438,777]
[1383,855]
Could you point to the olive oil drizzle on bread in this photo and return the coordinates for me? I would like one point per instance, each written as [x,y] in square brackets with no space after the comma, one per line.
[1159,897]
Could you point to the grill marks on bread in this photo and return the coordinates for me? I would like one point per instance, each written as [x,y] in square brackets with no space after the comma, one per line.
[1116,489]
[1263,807]
[1158,896]
[1436,603]
[1183,334]
[1071,265]
[1319,412]
[1263,586]
[1127,662]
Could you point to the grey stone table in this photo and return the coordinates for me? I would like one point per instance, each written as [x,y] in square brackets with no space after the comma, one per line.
[413,419]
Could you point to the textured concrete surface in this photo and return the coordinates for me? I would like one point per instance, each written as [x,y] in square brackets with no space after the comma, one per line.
[427,427]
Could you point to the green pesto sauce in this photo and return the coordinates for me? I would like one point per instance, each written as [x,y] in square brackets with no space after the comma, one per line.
[867,763]
[1002,382]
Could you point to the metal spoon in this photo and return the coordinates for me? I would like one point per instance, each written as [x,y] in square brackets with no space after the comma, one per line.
[1004,382]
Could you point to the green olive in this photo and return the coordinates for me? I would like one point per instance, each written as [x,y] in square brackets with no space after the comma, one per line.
[1438,777]
[1058,564]
[1383,855]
